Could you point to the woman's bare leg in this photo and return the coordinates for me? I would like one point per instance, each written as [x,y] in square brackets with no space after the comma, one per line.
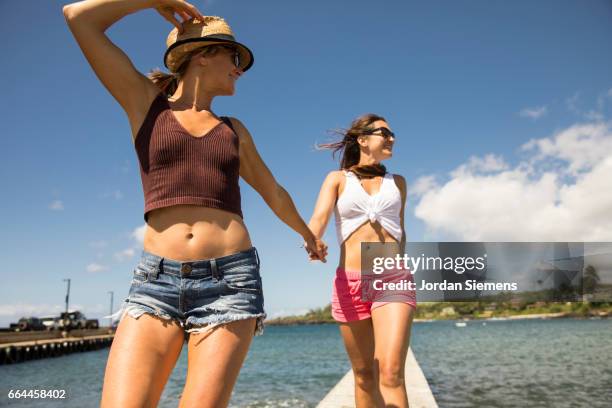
[214,361]
[359,342]
[142,356]
[392,323]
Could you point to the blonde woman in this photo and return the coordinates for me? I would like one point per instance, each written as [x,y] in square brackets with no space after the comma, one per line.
[368,203]
[198,277]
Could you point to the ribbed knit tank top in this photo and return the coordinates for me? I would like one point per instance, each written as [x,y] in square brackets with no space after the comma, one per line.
[178,168]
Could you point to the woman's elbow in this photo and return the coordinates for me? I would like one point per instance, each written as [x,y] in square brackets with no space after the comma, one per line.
[71,11]
[282,197]
[68,11]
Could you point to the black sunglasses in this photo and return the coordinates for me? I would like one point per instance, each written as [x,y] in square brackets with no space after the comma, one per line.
[235,55]
[234,50]
[384,132]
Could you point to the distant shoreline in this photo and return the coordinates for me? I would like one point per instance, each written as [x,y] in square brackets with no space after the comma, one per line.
[323,315]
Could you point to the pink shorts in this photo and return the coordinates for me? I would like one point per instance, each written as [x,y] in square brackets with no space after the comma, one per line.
[347,304]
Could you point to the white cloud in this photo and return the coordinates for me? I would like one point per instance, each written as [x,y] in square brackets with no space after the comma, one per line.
[579,146]
[25,309]
[138,233]
[596,114]
[422,185]
[56,205]
[125,254]
[488,163]
[485,200]
[95,267]
[534,113]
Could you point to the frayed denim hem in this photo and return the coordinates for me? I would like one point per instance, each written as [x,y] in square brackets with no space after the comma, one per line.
[136,310]
[208,323]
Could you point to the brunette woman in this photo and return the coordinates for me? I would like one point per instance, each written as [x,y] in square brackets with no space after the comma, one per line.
[368,203]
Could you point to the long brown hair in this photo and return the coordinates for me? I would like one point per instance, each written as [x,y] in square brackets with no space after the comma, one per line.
[167,82]
[349,147]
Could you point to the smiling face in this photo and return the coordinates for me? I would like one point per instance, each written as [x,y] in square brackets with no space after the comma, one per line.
[379,143]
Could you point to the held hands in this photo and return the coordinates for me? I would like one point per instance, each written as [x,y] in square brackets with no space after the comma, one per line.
[170,8]
[316,248]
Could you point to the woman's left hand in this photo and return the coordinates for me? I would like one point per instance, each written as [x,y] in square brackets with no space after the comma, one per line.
[316,248]
[169,9]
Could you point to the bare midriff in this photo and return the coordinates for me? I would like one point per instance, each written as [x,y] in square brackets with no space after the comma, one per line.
[350,250]
[189,233]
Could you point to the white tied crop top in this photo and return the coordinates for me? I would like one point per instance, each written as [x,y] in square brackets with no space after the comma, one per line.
[355,207]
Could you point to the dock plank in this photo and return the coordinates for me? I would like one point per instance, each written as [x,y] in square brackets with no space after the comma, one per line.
[417,388]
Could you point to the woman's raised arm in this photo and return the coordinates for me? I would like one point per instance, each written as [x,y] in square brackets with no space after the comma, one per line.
[88,20]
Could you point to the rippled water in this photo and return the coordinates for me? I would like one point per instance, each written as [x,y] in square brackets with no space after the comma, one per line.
[543,363]
[523,363]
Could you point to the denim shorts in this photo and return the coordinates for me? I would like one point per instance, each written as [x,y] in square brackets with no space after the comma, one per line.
[198,295]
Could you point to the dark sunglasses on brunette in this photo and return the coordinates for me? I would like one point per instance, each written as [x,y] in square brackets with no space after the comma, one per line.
[384,132]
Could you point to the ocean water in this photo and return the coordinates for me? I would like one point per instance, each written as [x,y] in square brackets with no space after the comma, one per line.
[526,363]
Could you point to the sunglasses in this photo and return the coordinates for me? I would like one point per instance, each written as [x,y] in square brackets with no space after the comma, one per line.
[235,54]
[384,132]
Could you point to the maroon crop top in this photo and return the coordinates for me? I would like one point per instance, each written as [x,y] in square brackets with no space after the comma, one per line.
[177,168]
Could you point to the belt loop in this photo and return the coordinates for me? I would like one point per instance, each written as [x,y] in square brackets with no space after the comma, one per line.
[214,269]
[157,268]
[152,275]
[257,257]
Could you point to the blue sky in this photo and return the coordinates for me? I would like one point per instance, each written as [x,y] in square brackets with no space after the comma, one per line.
[508,101]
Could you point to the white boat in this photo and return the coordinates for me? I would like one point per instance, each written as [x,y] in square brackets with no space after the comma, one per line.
[460,324]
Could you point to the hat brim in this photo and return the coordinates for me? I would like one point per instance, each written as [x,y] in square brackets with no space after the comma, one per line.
[172,57]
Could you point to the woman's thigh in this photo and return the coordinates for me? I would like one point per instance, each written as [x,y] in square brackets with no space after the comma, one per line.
[392,326]
[214,361]
[142,356]
[358,337]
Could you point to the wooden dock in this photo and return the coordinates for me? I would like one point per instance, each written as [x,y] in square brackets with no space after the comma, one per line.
[20,347]
[417,388]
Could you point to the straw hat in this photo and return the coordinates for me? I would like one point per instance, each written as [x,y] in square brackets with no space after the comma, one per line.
[196,34]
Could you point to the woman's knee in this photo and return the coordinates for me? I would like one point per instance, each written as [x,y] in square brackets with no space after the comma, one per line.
[365,377]
[391,374]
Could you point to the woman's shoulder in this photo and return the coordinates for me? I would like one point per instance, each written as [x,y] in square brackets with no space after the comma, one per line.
[336,175]
[232,119]
[334,178]
[400,181]
[244,136]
